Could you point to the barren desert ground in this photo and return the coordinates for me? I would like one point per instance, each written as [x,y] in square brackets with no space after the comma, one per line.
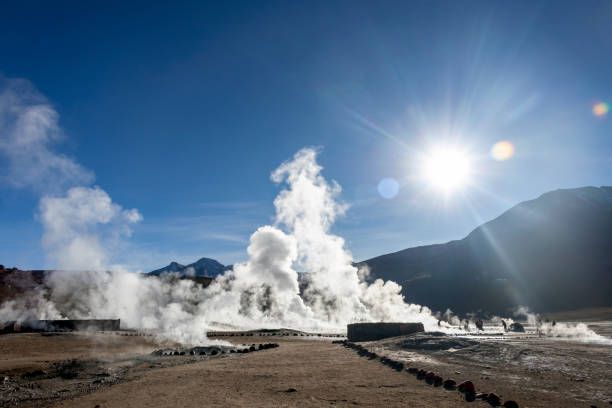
[117,370]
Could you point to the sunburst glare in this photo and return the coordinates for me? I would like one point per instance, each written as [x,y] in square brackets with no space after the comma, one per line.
[446,168]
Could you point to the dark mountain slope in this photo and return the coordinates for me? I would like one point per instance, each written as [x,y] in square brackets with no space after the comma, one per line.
[552,253]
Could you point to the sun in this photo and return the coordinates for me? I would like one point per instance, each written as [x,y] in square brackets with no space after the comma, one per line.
[446,169]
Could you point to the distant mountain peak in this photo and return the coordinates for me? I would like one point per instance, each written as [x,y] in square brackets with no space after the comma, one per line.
[207,267]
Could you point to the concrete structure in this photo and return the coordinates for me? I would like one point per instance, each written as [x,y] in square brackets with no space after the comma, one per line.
[377,331]
[33,326]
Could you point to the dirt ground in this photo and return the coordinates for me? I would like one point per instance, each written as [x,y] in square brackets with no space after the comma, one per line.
[536,372]
[301,372]
[118,370]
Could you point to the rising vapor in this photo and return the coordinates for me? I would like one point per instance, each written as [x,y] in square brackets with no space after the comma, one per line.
[83,228]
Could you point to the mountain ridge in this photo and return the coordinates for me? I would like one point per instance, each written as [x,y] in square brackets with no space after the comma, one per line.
[203,267]
[511,259]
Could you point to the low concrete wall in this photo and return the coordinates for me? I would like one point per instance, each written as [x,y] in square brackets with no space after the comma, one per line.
[377,331]
[33,326]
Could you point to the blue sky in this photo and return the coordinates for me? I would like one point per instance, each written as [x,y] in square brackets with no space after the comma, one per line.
[183,109]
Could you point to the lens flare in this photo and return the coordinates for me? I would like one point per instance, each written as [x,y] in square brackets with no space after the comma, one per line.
[502,150]
[388,188]
[601,109]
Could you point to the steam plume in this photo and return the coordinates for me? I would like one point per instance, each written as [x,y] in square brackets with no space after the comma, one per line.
[83,227]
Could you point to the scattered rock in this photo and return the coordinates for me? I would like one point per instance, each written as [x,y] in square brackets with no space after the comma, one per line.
[437,381]
[290,390]
[450,384]
[511,404]
[398,366]
[467,387]
[494,399]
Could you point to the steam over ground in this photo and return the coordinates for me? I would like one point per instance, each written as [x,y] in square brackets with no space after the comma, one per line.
[83,227]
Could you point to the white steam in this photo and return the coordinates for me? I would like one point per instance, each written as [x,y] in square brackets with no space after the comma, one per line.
[265,289]
[262,291]
[561,330]
[308,209]
[83,228]
[28,132]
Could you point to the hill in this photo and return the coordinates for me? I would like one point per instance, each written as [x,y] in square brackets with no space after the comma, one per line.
[553,253]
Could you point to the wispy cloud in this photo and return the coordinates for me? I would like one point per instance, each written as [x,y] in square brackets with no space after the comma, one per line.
[29,133]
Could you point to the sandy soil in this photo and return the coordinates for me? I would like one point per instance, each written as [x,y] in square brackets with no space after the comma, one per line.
[300,372]
[112,370]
